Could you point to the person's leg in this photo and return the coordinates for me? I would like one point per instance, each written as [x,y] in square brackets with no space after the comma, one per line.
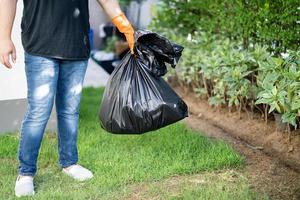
[41,74]
[69,86]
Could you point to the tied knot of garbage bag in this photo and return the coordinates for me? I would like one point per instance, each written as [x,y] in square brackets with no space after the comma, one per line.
[156,50]
[136,99]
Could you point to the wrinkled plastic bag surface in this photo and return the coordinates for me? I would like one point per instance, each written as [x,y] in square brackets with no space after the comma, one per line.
[136,99]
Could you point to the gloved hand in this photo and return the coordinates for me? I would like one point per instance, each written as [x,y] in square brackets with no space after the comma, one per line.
[113,10]
[124,26]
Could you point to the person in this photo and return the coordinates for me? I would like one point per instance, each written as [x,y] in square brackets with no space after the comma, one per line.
[56,43]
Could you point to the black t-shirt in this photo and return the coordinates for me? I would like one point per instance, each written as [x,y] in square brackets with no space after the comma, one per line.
[56,28]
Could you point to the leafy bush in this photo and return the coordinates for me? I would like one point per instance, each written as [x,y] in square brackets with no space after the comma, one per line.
[274,23]
[242,54]
[228,75]
[279,83]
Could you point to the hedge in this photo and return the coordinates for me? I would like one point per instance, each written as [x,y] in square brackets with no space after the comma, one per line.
[275,23]
[246,79]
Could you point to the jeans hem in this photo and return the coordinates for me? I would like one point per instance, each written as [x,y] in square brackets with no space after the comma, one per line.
[27,174]
[68,164]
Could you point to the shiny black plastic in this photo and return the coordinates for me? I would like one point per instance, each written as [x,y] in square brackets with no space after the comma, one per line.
[136,99]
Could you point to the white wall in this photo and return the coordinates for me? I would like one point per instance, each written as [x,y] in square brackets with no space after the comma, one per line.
[12,81]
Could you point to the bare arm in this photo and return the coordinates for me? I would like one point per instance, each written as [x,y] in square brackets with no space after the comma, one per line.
[7,16]
[111,7]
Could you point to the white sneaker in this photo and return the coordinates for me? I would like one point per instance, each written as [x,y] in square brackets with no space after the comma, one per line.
[24,186]
[78,172]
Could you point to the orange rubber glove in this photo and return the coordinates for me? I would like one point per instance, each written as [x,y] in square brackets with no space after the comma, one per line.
[124,26]
[113,10]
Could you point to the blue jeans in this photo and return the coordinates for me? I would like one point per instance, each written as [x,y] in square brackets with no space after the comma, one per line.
[48,80]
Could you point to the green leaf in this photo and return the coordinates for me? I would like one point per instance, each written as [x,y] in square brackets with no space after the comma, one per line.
[289,117]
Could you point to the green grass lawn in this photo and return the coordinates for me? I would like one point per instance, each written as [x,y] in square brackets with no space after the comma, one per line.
[121,163]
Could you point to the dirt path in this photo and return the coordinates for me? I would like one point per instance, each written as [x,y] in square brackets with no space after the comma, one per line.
[266,173]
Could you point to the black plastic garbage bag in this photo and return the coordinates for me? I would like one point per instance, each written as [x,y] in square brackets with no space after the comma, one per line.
[136,99]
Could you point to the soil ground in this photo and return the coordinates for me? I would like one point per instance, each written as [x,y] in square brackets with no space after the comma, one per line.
[272,162]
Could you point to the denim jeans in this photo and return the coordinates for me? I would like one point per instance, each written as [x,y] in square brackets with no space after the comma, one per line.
[50,80]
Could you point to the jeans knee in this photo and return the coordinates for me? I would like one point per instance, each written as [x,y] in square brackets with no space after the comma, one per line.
[68,113]
[38,113]
[68,109]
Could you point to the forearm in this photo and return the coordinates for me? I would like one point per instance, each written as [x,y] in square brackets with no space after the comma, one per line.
[111,7]
[7,16]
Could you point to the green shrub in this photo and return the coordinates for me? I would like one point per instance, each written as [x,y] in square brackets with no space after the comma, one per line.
[238,53]
[229,75]
[241,54]
[279,83]
[273,23]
